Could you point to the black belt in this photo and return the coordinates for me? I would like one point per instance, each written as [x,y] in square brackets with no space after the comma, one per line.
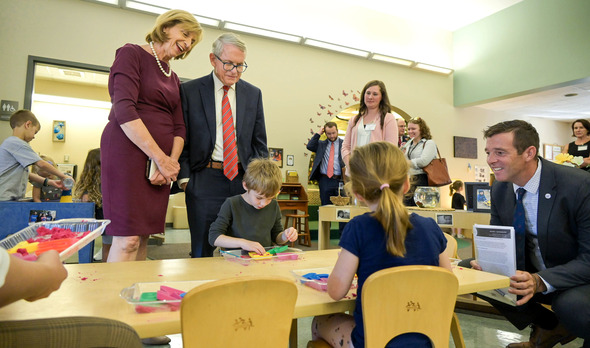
[335,177]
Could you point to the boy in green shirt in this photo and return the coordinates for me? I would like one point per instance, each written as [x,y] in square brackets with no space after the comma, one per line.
[252,220]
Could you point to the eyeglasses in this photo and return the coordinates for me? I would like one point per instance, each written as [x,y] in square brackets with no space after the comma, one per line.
[227,66]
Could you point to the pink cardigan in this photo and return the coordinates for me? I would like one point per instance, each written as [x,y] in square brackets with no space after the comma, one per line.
[388,133]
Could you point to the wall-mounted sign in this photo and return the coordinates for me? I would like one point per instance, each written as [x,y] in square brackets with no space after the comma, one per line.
[7,108]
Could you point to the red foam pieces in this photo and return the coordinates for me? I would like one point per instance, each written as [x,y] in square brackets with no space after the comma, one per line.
[172,291]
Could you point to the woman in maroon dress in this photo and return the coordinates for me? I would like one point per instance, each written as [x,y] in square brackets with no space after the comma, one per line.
[145,122]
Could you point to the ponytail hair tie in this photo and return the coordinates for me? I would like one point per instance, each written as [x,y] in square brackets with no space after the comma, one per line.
[383,186]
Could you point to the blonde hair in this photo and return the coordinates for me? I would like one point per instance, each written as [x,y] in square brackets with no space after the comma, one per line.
[171,18]
[263,176]
[379,171]
[41,172]
[89,182]
[454,187]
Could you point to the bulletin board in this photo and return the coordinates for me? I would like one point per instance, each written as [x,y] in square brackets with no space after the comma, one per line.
[465,147]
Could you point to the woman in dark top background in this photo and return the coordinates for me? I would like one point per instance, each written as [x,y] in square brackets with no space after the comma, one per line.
[580,146]
[457,202]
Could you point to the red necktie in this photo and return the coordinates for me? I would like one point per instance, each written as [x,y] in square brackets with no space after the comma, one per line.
[330,170]
[230,150]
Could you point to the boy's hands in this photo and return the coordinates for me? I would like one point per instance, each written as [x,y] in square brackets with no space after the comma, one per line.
[252,246]
[290,235]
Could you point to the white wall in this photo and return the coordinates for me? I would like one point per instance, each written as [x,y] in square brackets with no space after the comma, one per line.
[294,79]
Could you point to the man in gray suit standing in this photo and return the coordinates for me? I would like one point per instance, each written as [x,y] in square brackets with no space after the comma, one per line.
[225,130]
[553,259]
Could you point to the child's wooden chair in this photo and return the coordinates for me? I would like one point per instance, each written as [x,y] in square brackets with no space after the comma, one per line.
[456,332]
[406,299]
[248,311]
[451,246]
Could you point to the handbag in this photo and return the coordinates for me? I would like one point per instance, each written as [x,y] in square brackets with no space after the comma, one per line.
[437,171]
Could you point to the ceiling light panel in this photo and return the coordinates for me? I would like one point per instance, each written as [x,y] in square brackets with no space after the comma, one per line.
[389,59]
[337,48]
[262,32]
[433,68]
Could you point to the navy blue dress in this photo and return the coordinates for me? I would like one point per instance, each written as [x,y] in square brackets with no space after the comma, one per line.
[364,237]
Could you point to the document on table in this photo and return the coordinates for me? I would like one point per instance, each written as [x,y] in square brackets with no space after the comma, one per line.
[496,253]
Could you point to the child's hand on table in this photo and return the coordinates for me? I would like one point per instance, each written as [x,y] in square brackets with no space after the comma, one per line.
[290,235]
[252,246]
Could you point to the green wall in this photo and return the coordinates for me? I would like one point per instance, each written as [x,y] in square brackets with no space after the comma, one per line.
[530,46]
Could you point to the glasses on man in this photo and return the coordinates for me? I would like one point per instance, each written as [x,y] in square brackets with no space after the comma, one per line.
[227,66]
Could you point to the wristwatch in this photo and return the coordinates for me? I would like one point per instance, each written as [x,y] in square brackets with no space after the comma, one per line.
[45,182]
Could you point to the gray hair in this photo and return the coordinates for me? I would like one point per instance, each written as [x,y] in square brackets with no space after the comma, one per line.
[228,39]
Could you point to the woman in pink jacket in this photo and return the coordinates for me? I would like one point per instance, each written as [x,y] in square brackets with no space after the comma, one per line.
[374,122]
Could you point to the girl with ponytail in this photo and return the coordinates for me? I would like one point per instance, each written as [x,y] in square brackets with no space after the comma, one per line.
[385,237]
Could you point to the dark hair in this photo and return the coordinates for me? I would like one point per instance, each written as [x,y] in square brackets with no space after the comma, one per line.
[384,106]
[424,129]
[454,187]
[525,135]
[21,117]
[584,123]
[330,125]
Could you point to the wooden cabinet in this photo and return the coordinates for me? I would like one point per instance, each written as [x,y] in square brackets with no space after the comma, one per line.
[292,197]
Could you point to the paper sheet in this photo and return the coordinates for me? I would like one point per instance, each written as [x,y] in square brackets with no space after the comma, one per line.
[496,253]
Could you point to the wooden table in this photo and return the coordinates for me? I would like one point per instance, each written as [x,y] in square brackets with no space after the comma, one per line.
[93,289]
[328,213]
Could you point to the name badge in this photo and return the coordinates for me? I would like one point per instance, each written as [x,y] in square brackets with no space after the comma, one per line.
[582,147]
[370,127]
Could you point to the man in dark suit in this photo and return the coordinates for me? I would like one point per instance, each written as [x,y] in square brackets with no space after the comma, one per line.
[221,113]
[402,138]
[328,174]
[555,264]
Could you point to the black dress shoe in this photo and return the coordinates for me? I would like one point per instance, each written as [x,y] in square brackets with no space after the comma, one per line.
[541,338]
[156,341]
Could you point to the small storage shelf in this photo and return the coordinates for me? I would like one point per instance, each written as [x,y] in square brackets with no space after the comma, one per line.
[292,197]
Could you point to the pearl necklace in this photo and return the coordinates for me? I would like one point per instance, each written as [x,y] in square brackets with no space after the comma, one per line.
[167,74]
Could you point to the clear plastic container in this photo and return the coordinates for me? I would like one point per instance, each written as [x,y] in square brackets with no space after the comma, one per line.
[96,227]
[68,183]
[133,295]
[241,256]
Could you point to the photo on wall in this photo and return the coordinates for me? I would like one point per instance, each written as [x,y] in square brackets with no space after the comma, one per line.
[481,200]
[276,155]
[41,216]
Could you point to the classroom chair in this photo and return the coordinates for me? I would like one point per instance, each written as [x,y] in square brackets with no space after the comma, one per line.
[406,299]
[456,332]
[300,222]
[79,332]
[451,246]
[409,299]
[247,311]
